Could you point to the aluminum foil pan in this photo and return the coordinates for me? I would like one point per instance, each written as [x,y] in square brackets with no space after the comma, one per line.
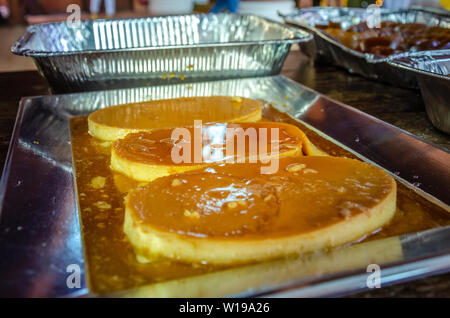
[364,64]
[106,54]
[432,69]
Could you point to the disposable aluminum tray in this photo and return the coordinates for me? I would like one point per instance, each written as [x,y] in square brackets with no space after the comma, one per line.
[40,241]
[432,69]
[365,64]
[120,53]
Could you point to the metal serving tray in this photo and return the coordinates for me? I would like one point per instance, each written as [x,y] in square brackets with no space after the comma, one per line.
[365,64]
[120,53]
[432,69]
[40,232]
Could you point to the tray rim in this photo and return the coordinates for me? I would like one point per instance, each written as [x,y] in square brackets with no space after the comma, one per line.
[404,182]
[390,270]
[394,61]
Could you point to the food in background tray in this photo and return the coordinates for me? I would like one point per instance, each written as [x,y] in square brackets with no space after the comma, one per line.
[390,38]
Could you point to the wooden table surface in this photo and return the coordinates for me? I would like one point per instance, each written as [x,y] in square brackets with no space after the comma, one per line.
[400,107]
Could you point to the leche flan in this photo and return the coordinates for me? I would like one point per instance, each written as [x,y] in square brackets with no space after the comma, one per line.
[145,156]
[116,122]
[231,214]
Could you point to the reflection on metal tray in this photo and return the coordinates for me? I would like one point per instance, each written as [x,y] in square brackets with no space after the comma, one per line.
[364,64]
[40,233]
[120,53]
[432,69]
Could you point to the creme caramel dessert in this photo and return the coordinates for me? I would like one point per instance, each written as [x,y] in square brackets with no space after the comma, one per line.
[112,123]
[145,156]
[230,214]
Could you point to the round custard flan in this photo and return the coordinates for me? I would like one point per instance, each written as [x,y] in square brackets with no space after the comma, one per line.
[116,122]
[145,156]
[230,214]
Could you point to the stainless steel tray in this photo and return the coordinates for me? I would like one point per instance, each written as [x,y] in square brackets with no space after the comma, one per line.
[365,64]
[120,53]
[40,233]
[432,69]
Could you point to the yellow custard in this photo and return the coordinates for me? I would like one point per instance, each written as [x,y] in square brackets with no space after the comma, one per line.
[229,214]
[116,122]
[145,156]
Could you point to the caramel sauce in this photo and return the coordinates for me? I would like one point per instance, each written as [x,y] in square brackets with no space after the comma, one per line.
[160,113]
[156,147]
[237,202]
[391,37]
[110,261]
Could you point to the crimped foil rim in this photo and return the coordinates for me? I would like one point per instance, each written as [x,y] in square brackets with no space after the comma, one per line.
[394,61]
[17,48]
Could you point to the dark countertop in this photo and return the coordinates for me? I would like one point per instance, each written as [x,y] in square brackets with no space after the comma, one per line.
[400,107]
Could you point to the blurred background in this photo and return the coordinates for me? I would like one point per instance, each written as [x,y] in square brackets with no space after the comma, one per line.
[16,15]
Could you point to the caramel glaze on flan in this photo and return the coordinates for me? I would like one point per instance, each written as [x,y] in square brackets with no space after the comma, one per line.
[116,122]
[228,214]
[145,156]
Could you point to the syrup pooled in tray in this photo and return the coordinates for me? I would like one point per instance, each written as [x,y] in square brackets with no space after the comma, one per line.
[111,263]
